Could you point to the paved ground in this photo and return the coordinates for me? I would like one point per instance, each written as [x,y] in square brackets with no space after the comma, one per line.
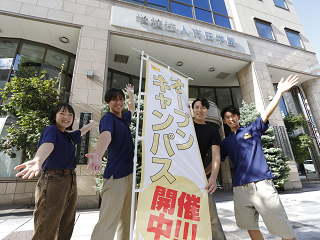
[302,206]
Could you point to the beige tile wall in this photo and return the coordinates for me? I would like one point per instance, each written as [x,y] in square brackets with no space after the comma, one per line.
[17,192]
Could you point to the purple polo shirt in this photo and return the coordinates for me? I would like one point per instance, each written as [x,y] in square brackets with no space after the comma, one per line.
[63,155]
[245,151]
[120,149]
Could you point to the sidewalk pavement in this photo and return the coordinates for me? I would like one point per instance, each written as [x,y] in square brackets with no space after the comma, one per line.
[302,207]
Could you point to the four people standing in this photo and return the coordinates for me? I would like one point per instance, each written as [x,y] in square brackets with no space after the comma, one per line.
[254,192]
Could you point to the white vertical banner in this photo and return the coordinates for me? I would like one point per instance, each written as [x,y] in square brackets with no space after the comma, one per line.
[2,122]
[173,203]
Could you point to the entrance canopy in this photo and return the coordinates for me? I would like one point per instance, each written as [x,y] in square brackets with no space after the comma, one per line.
[205,69]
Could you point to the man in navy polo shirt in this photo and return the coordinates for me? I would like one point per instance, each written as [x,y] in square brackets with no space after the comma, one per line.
[254,192]
[115,136]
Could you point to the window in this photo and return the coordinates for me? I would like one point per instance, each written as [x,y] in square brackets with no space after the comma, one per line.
[222,96]
[280,3]
[210,11]
[7,163]
[159,4]
[119,80]
[294,38]
[8,48]
[203,15]
[181,9]
[264,29]
[30,58]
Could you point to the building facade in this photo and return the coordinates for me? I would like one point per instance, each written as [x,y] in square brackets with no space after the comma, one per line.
[233,50]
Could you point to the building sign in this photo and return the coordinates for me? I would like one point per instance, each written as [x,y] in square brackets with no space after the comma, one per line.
[128,18]
[83,146]
[173,203]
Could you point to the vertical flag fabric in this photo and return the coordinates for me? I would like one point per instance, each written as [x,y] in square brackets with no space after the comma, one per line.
[173,203]
[2,122]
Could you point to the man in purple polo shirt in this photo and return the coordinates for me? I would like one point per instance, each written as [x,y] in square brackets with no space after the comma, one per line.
[254,192]
[116,193]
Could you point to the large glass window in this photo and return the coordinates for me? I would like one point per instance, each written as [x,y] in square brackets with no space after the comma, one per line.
[294,38]
[210,11]
[186,1]
[140,2]
[264,29]
[181,9]
[219,6]
[193,92]
[7,52]
[222,96]
[119,80]
[136,84]
[208,93]
[203,15]
[236,97]
[159,4]
[26,59]
[222,21]
[202,4]
[66,87]
[29,59]
[7,163]
[280,3]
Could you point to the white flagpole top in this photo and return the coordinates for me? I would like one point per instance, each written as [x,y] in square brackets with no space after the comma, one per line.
[146,57]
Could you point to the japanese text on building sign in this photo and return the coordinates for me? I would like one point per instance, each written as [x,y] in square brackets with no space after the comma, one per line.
[170,27]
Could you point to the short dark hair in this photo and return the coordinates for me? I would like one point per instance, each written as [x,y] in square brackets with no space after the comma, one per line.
[113,93]
[204,102]
[231,109]
[56,109]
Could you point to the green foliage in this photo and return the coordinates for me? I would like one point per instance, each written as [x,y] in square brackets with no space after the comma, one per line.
[277,162]
[31,100]
[28,67]
[105,108]
[301,142]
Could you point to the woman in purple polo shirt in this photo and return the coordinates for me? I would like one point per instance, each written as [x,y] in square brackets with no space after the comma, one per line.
[56,191]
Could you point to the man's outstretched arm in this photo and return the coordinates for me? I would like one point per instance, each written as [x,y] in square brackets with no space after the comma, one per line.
[215,166]
[283,86]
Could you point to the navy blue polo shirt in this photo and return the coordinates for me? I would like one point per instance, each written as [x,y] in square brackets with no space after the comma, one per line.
[245,151]
[120,149]
[63,155]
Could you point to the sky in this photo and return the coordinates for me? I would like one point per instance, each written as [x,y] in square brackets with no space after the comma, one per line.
[309,14]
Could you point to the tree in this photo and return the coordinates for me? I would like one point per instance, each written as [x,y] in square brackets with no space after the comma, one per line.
[30,99]
[300,143]
[277,162]
[105,108]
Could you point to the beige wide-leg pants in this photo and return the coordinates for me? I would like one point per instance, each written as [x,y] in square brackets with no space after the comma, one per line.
[115,210]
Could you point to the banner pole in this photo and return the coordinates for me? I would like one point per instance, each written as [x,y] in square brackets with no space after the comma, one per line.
[170,68]
[133,198]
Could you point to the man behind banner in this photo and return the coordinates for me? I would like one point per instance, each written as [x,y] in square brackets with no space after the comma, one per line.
[209,137]
[254,192]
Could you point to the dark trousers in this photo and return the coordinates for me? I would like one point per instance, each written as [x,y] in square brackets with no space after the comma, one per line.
[216,229]
[56,204]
